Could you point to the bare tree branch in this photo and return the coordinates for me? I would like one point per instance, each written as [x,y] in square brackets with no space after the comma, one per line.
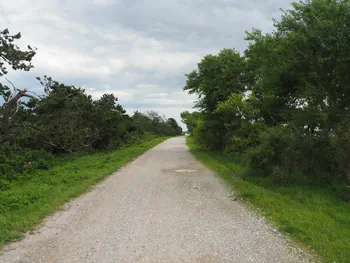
[11,103]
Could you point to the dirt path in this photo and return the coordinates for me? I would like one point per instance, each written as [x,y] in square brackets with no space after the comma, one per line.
[163,207]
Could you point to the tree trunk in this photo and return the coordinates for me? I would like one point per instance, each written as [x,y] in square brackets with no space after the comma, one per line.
[7,110]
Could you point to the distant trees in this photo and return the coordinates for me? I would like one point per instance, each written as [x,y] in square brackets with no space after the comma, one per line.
[190,119]
[66,119]
[282,106]
[176,129]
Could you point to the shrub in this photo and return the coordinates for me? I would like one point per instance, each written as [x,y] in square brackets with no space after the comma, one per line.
[276,149]
[16,161]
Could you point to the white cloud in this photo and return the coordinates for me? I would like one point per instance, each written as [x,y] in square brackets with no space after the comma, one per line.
[158,95]
[103,2]
[143,58]
[62,63]
[137,50]
[146,86]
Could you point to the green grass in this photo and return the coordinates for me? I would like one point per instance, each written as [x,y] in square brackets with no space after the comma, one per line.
[27,202]
[313,217]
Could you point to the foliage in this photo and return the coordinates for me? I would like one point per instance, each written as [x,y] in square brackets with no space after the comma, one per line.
[12,55]
[282,106]
[18,163]
[160,125]
[190,119]
[217,77]
[176,129]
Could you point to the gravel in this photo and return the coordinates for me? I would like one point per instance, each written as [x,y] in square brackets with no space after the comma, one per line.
[163,207]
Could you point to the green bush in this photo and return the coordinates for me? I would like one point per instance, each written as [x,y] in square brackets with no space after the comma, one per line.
[318,160]
[276,149]
[290,157]
[210,133]
[16,161]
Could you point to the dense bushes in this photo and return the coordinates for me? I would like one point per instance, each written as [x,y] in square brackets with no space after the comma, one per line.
[282,106]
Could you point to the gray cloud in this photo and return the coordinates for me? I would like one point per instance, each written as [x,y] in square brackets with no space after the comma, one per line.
[138,50]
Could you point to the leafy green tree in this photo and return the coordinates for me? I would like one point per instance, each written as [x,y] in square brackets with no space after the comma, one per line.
[307,85]
[286,97]
[65,119]
[177,130]
[217,77]
[191,120]
[11,55]
[108,120]
[141,123]
[242,122]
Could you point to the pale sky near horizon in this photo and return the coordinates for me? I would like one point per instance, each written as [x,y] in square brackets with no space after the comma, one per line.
[138,50]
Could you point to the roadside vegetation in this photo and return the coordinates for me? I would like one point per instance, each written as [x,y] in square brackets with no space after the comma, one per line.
[277,116]
[55,144]
[37,194]
[311,216]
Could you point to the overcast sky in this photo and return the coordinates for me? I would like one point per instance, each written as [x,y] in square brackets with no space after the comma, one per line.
[137,49]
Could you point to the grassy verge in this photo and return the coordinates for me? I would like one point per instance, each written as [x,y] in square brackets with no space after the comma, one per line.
[311,216]
[26,203]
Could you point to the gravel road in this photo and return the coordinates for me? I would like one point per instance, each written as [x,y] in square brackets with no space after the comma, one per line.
[162,207]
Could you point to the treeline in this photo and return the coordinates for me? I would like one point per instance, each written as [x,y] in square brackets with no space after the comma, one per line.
[63,120]
[283,106]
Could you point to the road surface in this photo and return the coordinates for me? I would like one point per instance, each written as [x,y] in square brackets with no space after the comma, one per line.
[162,207]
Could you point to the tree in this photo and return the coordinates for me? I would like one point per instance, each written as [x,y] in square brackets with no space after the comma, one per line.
[108,120]
[9,108]
[177,130]
[217,77]
[307,86]
[285,103]
[191,120]
[65,119]
[141,123]
[11,55]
